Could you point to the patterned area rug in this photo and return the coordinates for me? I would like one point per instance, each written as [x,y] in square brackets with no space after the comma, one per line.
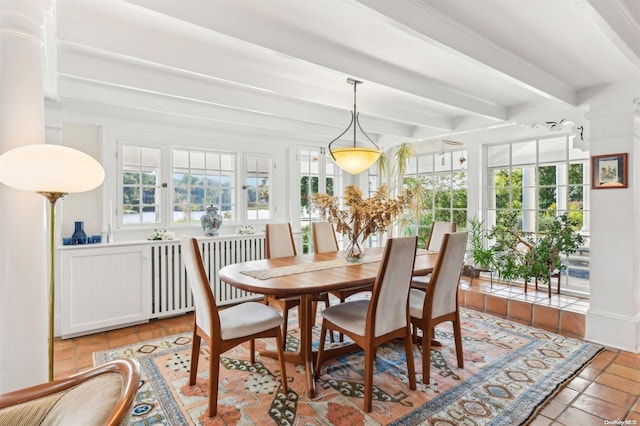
[510,370]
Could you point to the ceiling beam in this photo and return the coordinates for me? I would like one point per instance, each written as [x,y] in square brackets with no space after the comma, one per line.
[618,23]
[313,49]
[420,19]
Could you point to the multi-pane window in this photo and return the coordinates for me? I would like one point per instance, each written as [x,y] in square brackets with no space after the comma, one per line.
[202,178]
[140,185]
[318,173]
[440,183]
[540,180]
[258,187]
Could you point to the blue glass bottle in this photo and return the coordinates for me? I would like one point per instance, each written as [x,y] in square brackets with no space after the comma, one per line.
[79,236]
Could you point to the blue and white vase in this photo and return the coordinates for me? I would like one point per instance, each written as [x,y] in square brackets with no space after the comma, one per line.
[211,221]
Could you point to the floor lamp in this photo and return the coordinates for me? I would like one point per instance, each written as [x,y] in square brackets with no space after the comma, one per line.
[52,171]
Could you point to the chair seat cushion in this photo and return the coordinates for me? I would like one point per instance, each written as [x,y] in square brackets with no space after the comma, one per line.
[351,316]
[421,282]
[89,403]
[247,318]
[416,302]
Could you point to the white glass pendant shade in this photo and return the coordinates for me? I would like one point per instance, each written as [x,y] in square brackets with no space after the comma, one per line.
[50,168]
[355,160]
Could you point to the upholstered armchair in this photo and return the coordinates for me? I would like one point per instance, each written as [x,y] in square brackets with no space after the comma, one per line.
[100,396]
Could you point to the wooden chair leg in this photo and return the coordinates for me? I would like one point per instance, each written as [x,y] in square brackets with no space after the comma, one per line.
[323,336]
[340,335]
[325,299]
[457,333]
[252,350]
[426,354]
[283,369]
[369,356]
[195,356]
[411,368]
[285,317]
[214,375]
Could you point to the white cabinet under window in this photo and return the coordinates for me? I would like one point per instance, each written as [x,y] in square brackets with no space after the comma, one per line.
[108,286]
[104,287]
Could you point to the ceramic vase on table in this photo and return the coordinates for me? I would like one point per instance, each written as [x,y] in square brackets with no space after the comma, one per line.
[354,252]
[211,221]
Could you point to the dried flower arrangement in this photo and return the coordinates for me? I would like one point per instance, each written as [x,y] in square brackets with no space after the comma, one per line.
[363,217]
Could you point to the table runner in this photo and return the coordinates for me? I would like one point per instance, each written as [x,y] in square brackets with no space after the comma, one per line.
[265,274]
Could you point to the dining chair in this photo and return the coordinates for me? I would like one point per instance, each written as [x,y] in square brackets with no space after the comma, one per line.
[438,230]
[224,329]
[370,323]
[324,241]
[439,303]
[279,242]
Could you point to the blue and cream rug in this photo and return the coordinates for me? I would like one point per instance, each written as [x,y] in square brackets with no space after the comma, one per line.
[510,371]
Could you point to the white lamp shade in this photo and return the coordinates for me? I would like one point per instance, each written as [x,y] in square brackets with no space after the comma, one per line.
[50,168]
[355,160]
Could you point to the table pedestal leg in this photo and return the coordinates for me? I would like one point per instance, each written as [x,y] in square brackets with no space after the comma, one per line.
[304,354]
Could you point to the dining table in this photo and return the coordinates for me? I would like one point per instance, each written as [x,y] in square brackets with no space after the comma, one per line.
[307,276]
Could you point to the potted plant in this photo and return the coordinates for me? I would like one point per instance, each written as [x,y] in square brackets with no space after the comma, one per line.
[507,256]
[481,254]
[544,255]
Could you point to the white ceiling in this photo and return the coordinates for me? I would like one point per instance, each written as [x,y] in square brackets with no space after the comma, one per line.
[431,69]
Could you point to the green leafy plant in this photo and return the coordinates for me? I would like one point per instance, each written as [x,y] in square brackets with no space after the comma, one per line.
[544,255]
[507,258]
[481,254]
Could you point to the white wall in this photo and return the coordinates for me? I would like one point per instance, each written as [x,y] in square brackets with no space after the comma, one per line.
[614,315]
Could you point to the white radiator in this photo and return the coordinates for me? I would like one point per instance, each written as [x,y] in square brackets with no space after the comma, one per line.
[170,292]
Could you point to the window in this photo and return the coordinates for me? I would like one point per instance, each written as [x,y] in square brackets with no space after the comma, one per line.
[541,179]
[141,197]
[258,187]
[318,173]
[202,178]
[440,180]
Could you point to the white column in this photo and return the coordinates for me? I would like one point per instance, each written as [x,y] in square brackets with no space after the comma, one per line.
[23,233]
[613,318]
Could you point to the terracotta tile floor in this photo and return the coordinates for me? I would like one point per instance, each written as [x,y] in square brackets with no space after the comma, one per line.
[607,389]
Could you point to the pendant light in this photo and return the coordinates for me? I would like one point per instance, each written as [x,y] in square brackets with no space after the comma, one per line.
[354,159]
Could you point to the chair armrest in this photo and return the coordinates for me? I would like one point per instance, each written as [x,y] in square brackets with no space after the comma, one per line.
[127,368]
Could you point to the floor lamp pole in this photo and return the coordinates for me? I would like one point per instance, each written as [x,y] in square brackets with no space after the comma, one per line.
[52,197]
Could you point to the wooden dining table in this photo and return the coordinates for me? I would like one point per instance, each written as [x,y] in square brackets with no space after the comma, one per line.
[307,276]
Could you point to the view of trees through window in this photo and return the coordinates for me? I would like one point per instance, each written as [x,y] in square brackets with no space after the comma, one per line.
[540,180]
[258,187]
[439,183]
[140,185]
[318,173]
[203,178]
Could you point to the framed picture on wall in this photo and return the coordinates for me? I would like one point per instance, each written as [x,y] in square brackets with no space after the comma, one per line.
[609,171]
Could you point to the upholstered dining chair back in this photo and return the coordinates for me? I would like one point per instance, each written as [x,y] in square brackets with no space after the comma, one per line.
[205,303]
[438,229]
[440,301]
[385,317]
[279,240]
[391,288]
[446,275]
[324,237]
